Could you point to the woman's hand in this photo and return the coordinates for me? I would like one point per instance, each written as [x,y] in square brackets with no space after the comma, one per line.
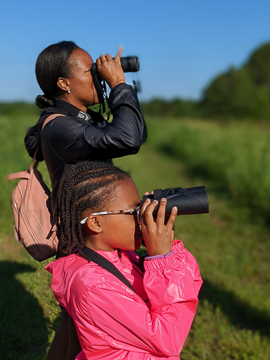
[157,236]
[111,70]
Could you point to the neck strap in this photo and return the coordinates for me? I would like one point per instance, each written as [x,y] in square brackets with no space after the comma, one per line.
[107,265]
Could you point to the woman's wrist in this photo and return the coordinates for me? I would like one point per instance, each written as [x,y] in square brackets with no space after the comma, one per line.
[113,84]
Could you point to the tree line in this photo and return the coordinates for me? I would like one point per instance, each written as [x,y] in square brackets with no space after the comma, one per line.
[242,93]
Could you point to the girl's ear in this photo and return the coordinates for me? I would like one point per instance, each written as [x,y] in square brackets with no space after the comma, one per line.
[63,83]
[93,224]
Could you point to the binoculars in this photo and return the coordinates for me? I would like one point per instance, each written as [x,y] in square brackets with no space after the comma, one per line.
[128,64]
[188,201]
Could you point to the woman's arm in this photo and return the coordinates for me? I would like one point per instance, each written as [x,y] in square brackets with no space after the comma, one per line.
[73,140]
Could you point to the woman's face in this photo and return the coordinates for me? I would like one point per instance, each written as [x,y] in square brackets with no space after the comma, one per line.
[82,90]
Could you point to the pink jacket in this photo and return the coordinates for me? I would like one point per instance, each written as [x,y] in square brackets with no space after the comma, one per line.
[112,321]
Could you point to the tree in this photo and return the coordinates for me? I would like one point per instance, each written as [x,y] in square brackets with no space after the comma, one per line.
[241,93]
[259,65]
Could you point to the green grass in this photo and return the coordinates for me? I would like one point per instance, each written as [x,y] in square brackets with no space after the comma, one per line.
[235,155]
[28,311]
[231,243]
[233,317]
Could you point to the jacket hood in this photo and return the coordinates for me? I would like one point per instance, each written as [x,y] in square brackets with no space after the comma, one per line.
[63,271]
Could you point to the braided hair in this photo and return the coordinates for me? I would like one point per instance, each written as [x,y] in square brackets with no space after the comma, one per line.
[87,184]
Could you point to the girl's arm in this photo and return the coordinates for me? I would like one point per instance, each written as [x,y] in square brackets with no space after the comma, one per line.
[121,320]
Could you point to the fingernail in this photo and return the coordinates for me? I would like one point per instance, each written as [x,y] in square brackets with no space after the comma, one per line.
[174,209]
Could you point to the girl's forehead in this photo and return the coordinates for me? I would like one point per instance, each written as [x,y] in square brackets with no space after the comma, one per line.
[127,193]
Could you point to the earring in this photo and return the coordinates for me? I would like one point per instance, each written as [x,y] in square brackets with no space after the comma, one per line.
[68,91]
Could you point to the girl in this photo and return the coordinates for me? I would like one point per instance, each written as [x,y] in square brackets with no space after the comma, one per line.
[98,208]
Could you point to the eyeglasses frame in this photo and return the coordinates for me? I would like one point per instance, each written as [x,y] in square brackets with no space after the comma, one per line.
[127,211]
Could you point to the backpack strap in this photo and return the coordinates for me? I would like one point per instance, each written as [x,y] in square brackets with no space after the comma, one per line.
[19,175]
[26,174]
[107,265]
[50,118]
[34,163]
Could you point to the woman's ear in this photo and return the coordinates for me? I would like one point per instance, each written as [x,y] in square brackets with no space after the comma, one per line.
[93,224]
[63,83]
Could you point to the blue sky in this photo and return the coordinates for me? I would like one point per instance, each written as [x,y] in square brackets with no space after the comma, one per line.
[181,44]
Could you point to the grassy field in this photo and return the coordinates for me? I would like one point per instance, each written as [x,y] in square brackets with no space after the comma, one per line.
[231,243]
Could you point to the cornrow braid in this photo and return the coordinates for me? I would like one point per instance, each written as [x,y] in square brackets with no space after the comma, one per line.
[87,184]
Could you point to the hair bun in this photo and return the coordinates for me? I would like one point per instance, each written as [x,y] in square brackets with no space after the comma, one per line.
[42,101]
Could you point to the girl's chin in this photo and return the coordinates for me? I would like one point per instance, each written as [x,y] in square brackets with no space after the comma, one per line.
[138,244]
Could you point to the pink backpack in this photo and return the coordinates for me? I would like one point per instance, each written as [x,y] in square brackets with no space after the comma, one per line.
[31,206]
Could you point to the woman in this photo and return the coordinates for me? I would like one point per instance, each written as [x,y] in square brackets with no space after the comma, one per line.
[63,72]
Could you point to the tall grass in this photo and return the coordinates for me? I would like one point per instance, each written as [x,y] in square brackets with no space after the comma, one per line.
[235,155]
[232,248]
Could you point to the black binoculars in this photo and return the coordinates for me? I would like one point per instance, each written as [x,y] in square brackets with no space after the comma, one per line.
[188,201]
[128,64]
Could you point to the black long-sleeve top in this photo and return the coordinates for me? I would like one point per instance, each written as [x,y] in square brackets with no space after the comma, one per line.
[79,136]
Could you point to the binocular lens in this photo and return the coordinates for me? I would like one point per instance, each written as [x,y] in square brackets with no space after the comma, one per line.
[130,63]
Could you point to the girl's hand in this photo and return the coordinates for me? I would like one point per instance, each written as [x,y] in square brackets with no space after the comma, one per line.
[157,236]
[111,70]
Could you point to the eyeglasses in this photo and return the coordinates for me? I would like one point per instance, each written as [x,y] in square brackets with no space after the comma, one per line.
[136,211]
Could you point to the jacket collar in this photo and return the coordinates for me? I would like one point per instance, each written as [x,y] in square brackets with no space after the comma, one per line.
[71,109]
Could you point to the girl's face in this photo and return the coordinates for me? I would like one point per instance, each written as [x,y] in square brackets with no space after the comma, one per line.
[82,90]
[119,231]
